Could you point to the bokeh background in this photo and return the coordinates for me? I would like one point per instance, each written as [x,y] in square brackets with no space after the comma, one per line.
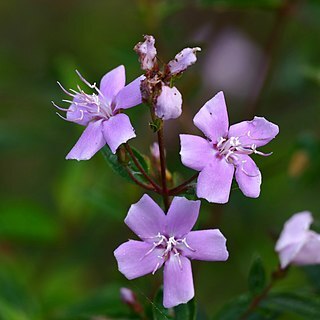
[61,220]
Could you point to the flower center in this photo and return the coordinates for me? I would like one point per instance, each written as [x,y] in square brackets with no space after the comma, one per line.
[230,147]
[170,245]
[94,105]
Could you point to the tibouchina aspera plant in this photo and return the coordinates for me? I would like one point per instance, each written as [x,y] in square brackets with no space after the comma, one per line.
[166,239]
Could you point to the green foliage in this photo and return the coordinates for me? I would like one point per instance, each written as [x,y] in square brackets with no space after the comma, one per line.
[158,310]
[234,308]
[257,277]
[120,168]
[186,311]
[290,303]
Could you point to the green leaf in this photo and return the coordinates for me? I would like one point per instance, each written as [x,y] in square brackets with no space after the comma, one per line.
[186,311]
[190,192]
[158,310]
[257,277]
[120,168]
[313,274]
[234,308]
[290,303]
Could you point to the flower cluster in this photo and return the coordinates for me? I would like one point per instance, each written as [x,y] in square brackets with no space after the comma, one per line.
[225,151]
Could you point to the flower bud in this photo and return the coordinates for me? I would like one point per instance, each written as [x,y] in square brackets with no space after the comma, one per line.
[169,103]
[183,60]
[127,296]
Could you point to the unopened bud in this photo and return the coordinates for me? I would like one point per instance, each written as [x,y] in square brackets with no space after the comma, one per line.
[169,103]
[183,60]
[127,296]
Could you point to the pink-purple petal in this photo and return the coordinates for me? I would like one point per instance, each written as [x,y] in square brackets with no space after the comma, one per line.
[112,82]
[177,281]
[90,142]
[136,258]
[169,103]
[214,181]
[258,131]
[310,252]
[212,119]
[287,254]
[146,219]
[130,95]
[295,229]
[183,60]
[208,245]
[195,152]
[117,130]
[181,217]
[248,176]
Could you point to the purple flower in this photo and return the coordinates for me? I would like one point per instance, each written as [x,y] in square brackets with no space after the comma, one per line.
[225,151]
[147,52]
[297,244]
[169,103]
[183,60]
[168,240]
[100,113]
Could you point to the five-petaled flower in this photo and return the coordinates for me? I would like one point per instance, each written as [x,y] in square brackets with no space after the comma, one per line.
[297,244]
[168,240]
[101,113]
[224,151]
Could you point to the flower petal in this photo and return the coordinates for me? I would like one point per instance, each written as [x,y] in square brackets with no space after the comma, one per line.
[177,281]
[183,60]
[182,216]
[147,52]
[90,142]
[130,95]
[146,219]
[112,82]
[310,252]
[295,229]
[212,119]
[208,245]
[135,258]
[214,181]
[248,176]
[117,130]
[287,254]
[169,103]
[196,152]
[258,131]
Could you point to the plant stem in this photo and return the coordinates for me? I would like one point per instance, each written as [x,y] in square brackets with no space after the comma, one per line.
[138,165]
[165,193]
[183,186]
[142,185]
[276,275]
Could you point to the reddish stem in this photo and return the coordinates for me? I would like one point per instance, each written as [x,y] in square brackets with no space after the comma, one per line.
[183,186]
[138,165]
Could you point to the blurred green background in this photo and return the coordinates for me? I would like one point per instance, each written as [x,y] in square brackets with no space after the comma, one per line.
[61,220]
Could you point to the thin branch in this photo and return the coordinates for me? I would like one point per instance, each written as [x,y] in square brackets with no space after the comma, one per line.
[183,186]
[140,168]
[276,275]
[142,185]
[165,193]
